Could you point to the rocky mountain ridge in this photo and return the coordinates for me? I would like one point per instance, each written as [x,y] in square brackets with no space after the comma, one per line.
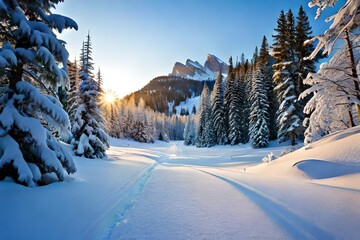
[194,70]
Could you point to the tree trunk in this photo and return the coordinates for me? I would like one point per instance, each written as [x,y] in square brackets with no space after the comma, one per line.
[352,123]
[292,138]
[353,72]
[15,76]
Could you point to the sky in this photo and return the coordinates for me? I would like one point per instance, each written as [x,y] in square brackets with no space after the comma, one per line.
[135,41]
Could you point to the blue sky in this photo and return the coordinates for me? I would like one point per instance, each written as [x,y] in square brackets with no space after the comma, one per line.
[136,40]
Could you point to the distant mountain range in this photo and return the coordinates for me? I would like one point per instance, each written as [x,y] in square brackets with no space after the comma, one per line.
[194,70]
[167,94]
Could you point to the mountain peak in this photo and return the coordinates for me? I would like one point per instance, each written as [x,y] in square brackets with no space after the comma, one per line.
[214,64]
[194,70]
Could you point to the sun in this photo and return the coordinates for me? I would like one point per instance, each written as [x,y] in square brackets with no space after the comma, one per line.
[108,98]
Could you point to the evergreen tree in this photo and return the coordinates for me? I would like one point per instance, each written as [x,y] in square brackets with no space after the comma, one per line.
[217,111]
[227,95]
[90,140]
[193,111]
[189,131]
[345,23]
[265,61]
[205,135]
[99,81]
[259,112]
[285,77]
[73,96]
[28,117]
[330,107]
[187,139]
[233,106]
[113,126]
[302,34]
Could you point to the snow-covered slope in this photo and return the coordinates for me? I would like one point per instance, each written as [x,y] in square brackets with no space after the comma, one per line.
[333,160]
[188,105]
[172,191]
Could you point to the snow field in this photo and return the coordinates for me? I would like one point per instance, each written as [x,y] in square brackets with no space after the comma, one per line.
[172,191]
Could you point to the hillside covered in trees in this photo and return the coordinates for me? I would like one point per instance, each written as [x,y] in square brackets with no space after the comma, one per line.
[163,91]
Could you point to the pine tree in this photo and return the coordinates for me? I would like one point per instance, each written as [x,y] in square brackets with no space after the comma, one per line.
[28,117]
[265,61]
[99,81]
[259,112]
[73,96]
[187,139]
[205,135]
[90,140]
[140,131]
[193,110]
[302,34]
[330,106]
[233,106]
[217,111]
[285,77]
[345,23]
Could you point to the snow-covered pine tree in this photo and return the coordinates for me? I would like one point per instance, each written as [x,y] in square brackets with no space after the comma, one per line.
[259,111]
[113,126]
[244,76]
[205,134]
[99,81]
[265,60]
[330,106]
[73,96]
[187,138]
[233,106]
[140,131]
[217,111]
[227,96]
[28,118]
[190,131]
[285,76]
[345,24]
[302,34]
[128,117]
[90,140]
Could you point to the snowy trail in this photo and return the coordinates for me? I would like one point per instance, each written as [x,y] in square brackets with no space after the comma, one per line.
[183,203]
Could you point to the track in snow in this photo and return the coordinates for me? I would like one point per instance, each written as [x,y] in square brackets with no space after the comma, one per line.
[295,226]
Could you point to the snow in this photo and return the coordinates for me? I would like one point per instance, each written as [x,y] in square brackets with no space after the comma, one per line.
[172,191]
[188,105]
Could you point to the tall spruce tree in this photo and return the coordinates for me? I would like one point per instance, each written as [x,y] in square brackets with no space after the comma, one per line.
[99,81]
[265,61]
[285,78]
[90,140]
[303,33]
[233,105]
[28,117]
[73,96]
[189,131]
[217,111]
[259,111]
[205,134]
[227,95]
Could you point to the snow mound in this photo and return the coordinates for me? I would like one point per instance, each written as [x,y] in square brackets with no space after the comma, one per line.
[319,169]
[339,165]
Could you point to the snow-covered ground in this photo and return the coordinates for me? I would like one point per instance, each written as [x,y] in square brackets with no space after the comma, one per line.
[188,105]
[170,191]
